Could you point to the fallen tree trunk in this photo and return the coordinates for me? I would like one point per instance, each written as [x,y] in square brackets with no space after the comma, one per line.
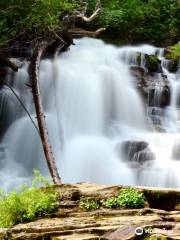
[34,71]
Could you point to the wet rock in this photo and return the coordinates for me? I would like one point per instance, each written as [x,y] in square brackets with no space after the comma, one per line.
[137,151]
[137,71]
[139,57]
[153,63]
[165,97]
[154,89]
[176,150]
[162,200]
[145,155]
[173,65]
[159,96]
[2,152]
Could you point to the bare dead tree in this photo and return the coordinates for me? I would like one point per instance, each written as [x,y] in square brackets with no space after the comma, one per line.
[34,72]
[94,14]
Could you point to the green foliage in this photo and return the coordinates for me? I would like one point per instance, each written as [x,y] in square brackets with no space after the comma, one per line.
[89,205]
[33,16]
[27,204]
[111,202]
[131,198]
[126,20]
[140,20]
[174,52]
[128,198]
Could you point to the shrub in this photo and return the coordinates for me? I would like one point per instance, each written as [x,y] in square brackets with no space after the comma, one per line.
[131,198]
[174,52]
[140,20]
[27,204]
[89,205]
[111,202]
[128,198]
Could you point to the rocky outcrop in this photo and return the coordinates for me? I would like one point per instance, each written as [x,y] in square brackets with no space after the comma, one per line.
[150,87]
[159,217]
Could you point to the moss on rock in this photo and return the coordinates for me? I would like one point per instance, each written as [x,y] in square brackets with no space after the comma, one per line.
[153,63]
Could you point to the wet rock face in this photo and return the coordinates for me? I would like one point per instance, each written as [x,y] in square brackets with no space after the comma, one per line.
[154,92]
[159,97]
[153,63]
[137,151]
[173,65]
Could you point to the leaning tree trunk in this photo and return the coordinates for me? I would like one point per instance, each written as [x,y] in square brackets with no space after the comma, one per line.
[34,72]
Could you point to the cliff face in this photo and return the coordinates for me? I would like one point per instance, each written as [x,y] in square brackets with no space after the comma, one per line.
[159,218]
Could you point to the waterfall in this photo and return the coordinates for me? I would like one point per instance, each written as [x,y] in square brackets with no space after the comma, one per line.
[94,113]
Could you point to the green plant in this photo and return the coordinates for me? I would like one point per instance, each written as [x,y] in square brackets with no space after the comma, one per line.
[89,204]
[128,198]
[174,52]
[140,20]
[131,198]
[26,203]
[32,16]
[110,202]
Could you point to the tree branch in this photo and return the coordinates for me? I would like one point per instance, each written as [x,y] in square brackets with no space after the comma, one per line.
[93,16]
[5,61]
[78,32]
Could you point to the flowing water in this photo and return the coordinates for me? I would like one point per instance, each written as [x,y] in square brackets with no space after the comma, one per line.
[92,109]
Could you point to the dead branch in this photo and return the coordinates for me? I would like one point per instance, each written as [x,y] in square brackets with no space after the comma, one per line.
[78,32]
[93,16]
[34,72]
[5,61]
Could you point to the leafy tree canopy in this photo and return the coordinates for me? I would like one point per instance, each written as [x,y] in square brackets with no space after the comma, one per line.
[155,21]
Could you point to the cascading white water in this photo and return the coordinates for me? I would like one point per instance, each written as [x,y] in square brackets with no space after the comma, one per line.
[92,107]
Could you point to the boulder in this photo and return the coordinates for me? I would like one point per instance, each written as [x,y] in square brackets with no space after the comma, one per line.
[137,151]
